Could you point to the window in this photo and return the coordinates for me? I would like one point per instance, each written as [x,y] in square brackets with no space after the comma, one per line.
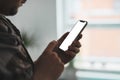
[101,39]
[116,6]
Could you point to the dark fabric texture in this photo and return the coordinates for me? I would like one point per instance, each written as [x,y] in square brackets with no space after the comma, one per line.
[15,62]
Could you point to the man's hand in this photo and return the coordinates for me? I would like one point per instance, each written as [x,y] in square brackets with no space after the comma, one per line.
[48,66]
[73,49]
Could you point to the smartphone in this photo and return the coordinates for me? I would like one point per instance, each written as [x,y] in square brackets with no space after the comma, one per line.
[77,29]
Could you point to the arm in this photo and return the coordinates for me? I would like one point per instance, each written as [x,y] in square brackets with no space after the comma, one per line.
[13,64]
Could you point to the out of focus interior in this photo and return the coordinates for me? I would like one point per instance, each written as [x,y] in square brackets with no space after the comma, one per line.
[99,57]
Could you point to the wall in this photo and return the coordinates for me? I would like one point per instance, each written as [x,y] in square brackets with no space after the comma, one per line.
[38,18]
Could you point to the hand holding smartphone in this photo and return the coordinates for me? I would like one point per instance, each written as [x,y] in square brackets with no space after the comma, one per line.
[77,29]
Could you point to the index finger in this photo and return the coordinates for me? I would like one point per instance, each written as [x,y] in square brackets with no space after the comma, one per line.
[78,37]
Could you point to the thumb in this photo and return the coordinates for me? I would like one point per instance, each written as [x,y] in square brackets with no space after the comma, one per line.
[62,38]
[50,47]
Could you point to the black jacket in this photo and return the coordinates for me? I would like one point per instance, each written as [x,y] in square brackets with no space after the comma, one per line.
[15,62]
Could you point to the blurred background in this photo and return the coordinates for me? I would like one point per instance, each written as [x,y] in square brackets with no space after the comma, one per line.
[45,20]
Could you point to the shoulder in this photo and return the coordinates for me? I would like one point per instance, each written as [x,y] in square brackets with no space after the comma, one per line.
[3,27]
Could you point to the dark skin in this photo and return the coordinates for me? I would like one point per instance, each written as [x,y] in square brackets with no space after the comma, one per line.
[56,58]
[50,65]
[73,49]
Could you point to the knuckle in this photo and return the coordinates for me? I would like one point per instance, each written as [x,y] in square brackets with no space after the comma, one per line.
[52,42]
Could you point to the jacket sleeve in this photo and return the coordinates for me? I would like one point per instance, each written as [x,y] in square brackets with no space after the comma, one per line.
[13,65]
